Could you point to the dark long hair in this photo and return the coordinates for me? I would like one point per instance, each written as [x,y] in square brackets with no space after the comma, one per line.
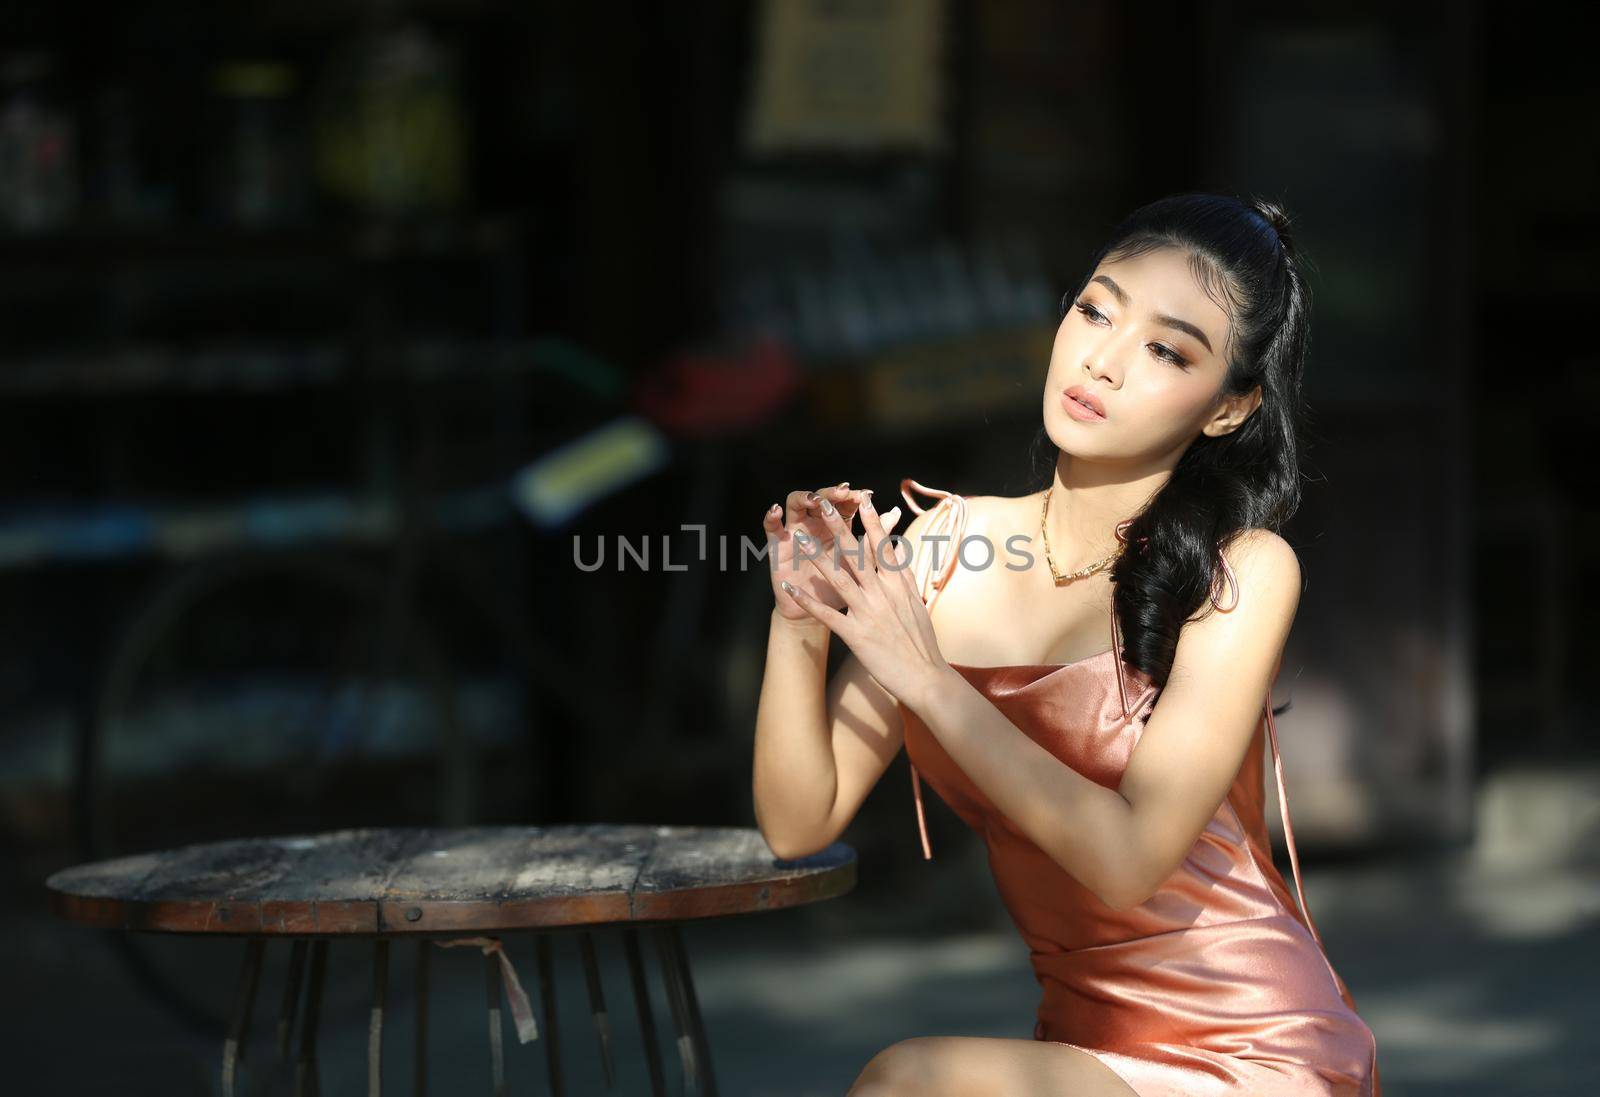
[1241,251]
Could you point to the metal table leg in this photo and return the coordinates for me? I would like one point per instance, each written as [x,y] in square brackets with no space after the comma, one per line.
[693,1047]
[647,1019]
[306,1080]
[697,1025]
[419,1083]
[380,989]
[597,1006]
[291,998]
[552,1028]
[233,1049]
[497,1055]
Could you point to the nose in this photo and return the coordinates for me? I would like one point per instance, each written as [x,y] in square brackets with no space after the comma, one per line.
[1103,358]
[1096,364]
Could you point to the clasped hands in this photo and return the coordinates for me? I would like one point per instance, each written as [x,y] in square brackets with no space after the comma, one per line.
[886,623]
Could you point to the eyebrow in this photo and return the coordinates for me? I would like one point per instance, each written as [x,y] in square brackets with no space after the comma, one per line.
[1170,321]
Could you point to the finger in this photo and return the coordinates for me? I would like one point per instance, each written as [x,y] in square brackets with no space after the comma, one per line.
[828,491]
[838,623]
[799,506]
[892,555]
[844,498]
[806,548]
[904,568]
[855,557]
[873,530]
[900,550]
[773,526]
[878,527]
[828,567]
[919,609]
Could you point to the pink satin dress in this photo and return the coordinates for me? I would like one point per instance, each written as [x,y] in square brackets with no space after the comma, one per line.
[1216,984]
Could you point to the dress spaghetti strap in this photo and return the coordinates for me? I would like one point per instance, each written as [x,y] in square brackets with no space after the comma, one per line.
[950,517]
[1283,792]
[1288,828]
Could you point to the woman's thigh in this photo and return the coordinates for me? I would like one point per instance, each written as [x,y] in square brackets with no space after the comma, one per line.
[979,1066]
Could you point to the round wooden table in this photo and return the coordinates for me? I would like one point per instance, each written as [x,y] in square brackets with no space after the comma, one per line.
[435,885]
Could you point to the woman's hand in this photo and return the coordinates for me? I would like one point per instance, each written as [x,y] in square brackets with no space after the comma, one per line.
[787,527]
[887,626]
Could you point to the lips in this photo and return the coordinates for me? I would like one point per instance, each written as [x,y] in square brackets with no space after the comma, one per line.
[1087,399]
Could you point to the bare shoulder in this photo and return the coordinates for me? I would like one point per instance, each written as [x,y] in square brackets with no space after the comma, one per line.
[989,515]
[1265,566]
[1252,617]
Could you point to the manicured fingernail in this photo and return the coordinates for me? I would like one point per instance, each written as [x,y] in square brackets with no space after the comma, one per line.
[827,507]
[803,537]
[866,500]
[812,496]
[774,510]
[788,587]
[844,483]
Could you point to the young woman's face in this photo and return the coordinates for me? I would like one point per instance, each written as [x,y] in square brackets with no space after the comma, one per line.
[1146,340]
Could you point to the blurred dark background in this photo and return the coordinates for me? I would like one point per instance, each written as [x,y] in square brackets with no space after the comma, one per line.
[336,334]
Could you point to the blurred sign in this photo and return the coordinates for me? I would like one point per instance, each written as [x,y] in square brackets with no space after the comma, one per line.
[848,74]
[390,129]
[954,380]
[559,485]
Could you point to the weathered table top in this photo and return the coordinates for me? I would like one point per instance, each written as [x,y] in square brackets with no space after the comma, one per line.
[422,880]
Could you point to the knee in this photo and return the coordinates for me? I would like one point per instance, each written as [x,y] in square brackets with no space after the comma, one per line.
[899,1070]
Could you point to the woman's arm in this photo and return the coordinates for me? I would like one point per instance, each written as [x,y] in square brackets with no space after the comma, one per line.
[794,772]
[1122,844]
[821,744]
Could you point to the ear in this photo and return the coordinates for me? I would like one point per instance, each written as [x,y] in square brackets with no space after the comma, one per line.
[1232,412]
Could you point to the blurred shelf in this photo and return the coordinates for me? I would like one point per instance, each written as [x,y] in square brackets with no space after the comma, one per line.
[45,533]
[255,366]
[339,242]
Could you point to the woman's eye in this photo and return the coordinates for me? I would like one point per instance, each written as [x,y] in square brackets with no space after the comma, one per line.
[1164,353]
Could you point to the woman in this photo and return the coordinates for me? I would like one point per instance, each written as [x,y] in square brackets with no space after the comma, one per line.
[1094,719]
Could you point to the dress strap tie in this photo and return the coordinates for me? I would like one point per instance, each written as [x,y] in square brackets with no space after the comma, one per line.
[1294,856]
[949,519]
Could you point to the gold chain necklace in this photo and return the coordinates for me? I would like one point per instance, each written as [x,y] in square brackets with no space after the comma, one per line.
[1081,573]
